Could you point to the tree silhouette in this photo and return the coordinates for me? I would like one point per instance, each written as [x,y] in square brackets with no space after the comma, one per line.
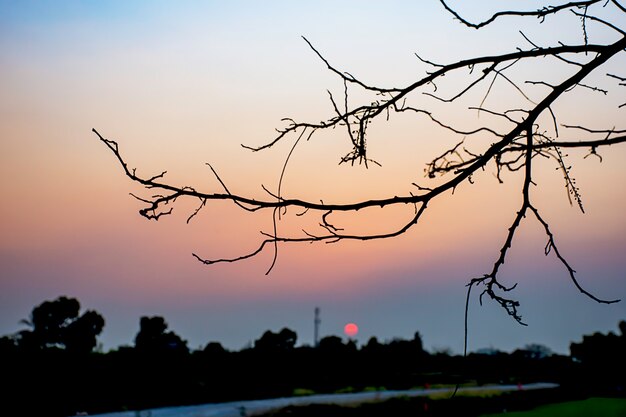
[534,351]
[602,358]
[58,324]
[334,345]
[598,348]
[214,349]
[276,342]
[516,135]
[80,335]
[8,344]
[153,337]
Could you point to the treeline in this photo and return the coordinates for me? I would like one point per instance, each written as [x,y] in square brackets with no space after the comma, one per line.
[52,368]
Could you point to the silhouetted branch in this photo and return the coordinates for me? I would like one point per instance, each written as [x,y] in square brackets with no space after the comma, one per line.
[513,149]
[541,13]
[369,112]
[622,79]
[333,236]
[602,21]
[551,246]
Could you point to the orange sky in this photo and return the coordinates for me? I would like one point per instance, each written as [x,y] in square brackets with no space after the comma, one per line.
[179,86]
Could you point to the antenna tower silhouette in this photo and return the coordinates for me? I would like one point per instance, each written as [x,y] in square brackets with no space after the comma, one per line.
[316,322]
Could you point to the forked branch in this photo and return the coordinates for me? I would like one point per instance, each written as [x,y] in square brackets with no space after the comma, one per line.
[513,149]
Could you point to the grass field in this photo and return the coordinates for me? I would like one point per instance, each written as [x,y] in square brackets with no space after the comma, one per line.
[596,407]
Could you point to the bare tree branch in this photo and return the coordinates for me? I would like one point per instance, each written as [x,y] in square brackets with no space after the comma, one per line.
[541,13]
[512,150]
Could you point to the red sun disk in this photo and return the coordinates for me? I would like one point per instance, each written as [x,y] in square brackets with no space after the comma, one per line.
[351,329]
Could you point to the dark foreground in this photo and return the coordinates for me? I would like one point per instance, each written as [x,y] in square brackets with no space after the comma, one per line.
[466,406]
[260,407]
[54,379]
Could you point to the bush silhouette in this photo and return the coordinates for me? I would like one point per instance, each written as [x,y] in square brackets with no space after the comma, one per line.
[57,324]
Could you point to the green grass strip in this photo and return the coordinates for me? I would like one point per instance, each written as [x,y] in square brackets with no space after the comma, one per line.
[596,407]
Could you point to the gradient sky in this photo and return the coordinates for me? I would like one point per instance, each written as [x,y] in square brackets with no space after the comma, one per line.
[185,83]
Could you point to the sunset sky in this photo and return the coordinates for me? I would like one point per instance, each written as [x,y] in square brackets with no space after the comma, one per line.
[181,84]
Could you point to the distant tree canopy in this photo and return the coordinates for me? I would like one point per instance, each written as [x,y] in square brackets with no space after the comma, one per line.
[276,342]
[153,337]
[161,371]
[214,349]
[602,349]
[334,344]
[59,324]
[603,357]
[534,351]
[398,348]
